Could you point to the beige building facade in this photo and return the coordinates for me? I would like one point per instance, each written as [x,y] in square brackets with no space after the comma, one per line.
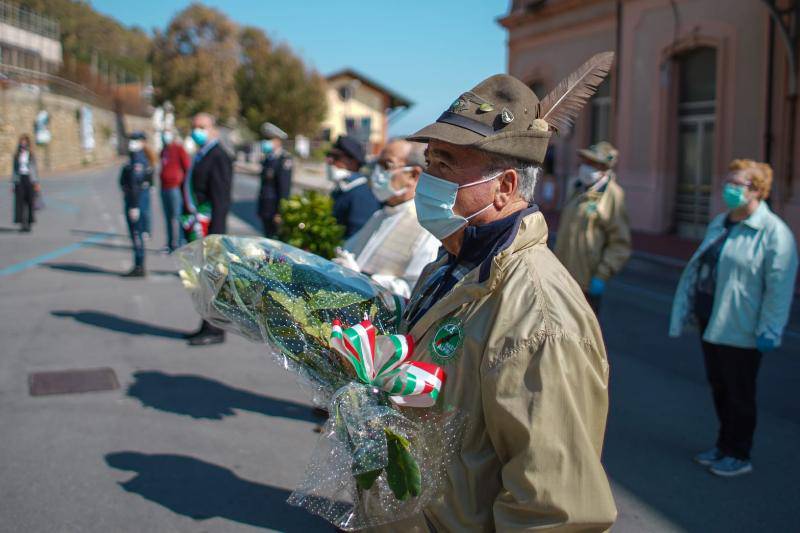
[696,84]
[360,107]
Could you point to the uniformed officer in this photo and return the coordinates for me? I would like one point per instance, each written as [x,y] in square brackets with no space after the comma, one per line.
[276,177]
[594,237]
[353,201]
[521,348]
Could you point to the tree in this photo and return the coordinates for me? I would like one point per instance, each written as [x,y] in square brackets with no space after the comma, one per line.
[85,32]
[274,85]
[195,61]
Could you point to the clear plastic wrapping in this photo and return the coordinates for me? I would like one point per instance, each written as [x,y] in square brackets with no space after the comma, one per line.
[377,460]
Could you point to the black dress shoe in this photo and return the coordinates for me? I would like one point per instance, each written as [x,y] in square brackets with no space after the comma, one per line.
[195,333]
[207,339]
[136,272]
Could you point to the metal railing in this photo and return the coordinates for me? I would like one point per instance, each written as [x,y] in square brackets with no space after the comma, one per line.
[28,20]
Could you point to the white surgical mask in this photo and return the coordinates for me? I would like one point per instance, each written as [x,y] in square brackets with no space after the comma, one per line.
[336,174]
[434,201]
[587,174]
[135,145]
[381,183]
[167,137]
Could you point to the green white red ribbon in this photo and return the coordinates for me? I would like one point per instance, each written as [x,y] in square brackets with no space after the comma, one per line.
[383,362]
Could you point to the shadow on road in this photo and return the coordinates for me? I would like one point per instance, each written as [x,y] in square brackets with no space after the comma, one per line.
[6,229]
[121,324]
[201,490]
[200,397]
[83,268]
[98,232]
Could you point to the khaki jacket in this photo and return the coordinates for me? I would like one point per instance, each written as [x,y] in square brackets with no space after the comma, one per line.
[528,366]
[594,236]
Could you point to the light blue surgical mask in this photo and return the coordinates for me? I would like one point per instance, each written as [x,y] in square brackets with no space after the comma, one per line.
[734,196]
[267,147]
[381,183]
[200,136]
[434,201]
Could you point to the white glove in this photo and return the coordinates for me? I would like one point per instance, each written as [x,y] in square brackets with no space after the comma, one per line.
[398,286]
[346,259]
[133,214]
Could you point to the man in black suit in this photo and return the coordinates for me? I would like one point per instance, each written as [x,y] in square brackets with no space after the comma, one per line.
[276,177]
[207,200]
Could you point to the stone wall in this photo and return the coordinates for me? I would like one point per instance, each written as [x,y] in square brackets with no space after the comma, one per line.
[18,109]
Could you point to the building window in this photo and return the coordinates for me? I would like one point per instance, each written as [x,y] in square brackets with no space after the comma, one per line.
[350,125]
[697,88]
[346,92]
[366,127]
[600,109]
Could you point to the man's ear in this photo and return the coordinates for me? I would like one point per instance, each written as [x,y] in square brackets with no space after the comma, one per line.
[508,183]
[415,173]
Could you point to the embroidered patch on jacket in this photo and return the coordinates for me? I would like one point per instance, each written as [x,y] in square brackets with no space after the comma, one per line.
[446,341]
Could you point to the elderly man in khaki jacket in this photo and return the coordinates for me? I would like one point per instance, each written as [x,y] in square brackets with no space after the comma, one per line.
[594,238]
[522,350]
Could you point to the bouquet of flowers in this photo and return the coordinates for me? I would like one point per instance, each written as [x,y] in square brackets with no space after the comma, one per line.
[382,454]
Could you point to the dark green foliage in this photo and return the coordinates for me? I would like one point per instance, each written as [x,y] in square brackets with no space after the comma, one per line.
[274,86]
[309,224]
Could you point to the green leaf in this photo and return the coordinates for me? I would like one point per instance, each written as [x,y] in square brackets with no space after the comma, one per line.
[367,479]
[325,299]
[402,471]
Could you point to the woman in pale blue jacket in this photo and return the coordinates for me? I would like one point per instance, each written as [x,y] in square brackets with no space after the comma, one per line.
[738,289]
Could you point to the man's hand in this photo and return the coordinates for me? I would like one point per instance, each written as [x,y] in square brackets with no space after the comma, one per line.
[346,259]
[597,287]
[765,344]
[133,214]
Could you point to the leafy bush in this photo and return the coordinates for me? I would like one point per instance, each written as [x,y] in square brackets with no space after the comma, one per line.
[309,224]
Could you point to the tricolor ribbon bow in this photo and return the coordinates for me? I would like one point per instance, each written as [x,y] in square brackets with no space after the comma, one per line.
[383,362]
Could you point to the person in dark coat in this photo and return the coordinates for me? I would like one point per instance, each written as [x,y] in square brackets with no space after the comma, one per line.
[25,182]
[207,200]
[276,178]
[135,181]
[353,201]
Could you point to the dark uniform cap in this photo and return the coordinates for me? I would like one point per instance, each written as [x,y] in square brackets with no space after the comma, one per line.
[349,146]
[137,136]
[496,116]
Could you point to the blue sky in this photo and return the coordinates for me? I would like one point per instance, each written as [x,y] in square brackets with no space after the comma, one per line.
[430,51]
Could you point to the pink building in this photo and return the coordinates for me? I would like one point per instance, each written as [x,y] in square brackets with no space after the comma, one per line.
[696,84]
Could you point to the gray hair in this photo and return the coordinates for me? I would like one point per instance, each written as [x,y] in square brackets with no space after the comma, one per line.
[529,173]
[211,118]
[416,152]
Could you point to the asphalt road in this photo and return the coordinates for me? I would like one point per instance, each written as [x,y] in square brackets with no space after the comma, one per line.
[213,439]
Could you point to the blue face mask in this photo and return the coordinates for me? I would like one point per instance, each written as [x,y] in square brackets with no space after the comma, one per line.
[734,196]
[434,201]
[200,136]
[266,147]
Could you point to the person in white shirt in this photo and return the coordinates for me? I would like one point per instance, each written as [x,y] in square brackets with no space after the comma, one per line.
[392,247]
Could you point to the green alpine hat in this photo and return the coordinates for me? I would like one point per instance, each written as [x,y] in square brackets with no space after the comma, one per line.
[502,116]
[496,116]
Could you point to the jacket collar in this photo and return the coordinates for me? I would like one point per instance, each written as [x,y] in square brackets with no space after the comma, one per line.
[759,217]
[351,182]
[529,229]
